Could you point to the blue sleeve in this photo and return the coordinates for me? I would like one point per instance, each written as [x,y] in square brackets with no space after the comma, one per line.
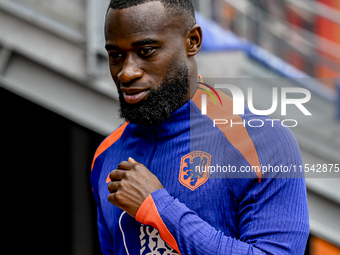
[265,227]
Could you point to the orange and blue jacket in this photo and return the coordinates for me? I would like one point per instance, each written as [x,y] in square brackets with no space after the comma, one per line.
[224,192]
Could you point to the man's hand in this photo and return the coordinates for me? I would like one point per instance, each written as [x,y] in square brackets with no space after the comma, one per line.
[131,183]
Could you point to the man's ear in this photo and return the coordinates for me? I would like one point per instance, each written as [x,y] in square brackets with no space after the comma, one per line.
[194,38]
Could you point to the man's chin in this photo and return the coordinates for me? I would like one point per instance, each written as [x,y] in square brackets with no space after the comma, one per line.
[159,105]
[138,113]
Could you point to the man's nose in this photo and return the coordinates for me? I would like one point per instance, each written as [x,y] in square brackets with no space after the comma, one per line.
[130,70]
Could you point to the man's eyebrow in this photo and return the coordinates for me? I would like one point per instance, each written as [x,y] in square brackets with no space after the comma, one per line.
[144,41]
[111,47]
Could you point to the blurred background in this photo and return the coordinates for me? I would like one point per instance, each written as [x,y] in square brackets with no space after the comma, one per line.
[58,102]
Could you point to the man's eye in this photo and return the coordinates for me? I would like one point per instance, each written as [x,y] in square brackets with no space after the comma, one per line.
[145,51]
[115,55]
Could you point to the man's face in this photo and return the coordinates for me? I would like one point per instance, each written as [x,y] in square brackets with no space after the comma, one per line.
[147,55]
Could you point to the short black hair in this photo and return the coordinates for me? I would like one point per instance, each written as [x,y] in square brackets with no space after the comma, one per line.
[182,7]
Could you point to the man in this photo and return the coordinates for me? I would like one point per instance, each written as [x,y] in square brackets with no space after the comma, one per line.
[149,176]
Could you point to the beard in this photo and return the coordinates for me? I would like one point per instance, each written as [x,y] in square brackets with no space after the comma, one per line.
[161,102]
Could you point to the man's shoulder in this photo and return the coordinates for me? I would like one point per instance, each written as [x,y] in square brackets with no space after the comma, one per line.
[108,141]
[270,134]
[99,157]
[261,140]
[245,130]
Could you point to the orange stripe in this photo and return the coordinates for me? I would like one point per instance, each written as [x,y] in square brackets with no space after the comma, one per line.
[147,214]
[111,139]
[237,135]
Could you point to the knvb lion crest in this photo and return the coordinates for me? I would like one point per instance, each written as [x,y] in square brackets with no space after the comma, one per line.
[193,172]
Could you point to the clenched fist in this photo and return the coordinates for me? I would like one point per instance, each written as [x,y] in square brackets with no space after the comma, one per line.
[131,183]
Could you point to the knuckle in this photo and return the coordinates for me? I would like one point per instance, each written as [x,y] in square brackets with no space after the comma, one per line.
[111,198]
[113,186]
[121,164]
[140,167]
[127,175]
[122,184]
[112,174]
[109,186]
[118,197]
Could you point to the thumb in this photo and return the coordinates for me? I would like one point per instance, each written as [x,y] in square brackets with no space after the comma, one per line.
[132,160]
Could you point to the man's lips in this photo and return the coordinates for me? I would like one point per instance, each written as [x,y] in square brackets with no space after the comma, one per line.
[133,96]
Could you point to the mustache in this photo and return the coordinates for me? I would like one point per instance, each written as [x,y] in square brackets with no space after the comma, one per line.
[134,84]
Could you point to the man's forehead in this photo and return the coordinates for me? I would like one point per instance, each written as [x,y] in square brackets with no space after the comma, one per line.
[150,17]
